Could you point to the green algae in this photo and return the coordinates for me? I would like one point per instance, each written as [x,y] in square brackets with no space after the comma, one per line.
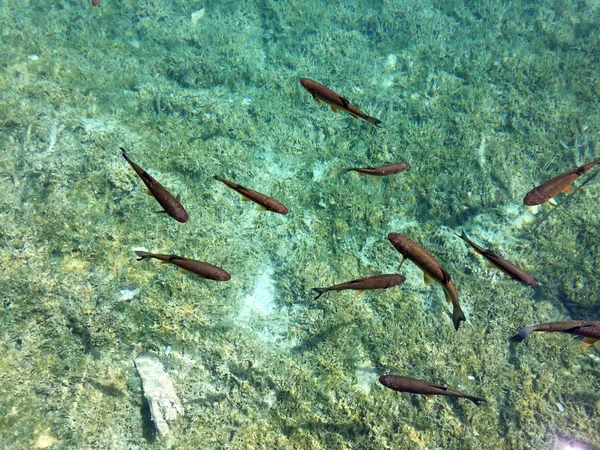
[483,100]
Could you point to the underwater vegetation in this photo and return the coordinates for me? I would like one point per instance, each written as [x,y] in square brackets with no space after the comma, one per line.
[484,101]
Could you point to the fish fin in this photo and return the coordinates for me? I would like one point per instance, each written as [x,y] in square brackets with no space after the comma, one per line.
[183,271]
[588,341]
[427,281]
[535,209]
[245,199]
[164,262]
[334,109]
[360,174]
[360,291]
[521,335]
[149,192]
[429,396]
[319,291]
[344,101]
[262,208]
[160,212]
[378,179]
[405,396]
[552,202]
[476,400]
[316,99]
[458,316]
[354,116]
[568,190]
[142,254]
[178,197]
[374,121]
[402,262]
[490,265]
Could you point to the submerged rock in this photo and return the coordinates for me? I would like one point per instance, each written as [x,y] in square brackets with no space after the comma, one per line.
[159,391]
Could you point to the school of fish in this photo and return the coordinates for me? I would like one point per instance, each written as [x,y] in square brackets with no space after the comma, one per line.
[408,248]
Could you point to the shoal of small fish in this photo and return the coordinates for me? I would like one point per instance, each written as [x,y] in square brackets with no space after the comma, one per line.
[409,249]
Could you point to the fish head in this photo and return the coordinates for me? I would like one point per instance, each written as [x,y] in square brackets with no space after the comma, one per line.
[400,242]
[180,215]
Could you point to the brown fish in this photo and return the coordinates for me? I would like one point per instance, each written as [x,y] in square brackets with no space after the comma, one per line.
[198,268]
[374,282]
[589,329]
[381,171]
[500,263]
[323,94]
[431,269]
[170,204]
[556,185]
[415,386]
[269,203]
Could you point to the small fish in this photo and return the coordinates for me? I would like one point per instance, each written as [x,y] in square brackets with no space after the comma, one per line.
[556,185]
[198,268]
[589,329]
[500,263]
[415,386]
[266,202]
[374,282]
[381,171]
[323,94]
[431,269]
[170,204]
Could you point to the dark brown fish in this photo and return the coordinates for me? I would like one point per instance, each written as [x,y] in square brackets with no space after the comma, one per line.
[415,386]
[556,185]
[269,203]
[500,263]
[374,282]
[170,204]
[381,171]
[198,268]
[323,94]
[432,270]
[589,329]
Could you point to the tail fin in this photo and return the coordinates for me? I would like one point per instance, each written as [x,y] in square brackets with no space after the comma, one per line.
[458,316]
[521,335]
[143,255]
[319,291]
[476,400]
[374,121]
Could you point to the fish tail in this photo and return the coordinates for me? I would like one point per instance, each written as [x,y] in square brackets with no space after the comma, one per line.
[458,316]
[319,291]
[143,255]
[522,334]
[374,121]
[124,153]
[476,400]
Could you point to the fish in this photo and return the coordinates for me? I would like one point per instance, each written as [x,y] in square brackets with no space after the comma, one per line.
[589,329]
[415,386]
[556,185]
[374,282]
[266,202]
[500,263]
[171,204]
[198,268]
[323,94]
[431,269]
[381,171]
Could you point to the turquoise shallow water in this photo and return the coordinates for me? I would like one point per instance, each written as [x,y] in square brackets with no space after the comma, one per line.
[483,99]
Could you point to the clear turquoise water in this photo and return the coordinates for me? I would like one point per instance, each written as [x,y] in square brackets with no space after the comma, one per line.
[483,99]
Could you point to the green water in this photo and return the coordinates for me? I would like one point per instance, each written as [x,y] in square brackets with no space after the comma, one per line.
[483,99]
